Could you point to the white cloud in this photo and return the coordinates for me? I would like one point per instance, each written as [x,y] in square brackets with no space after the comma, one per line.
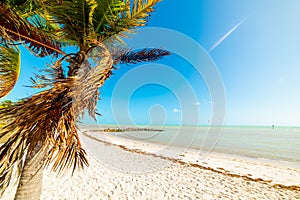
[197,103]
[175,110]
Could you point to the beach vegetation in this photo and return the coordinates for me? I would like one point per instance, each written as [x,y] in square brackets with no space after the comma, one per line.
[131,129]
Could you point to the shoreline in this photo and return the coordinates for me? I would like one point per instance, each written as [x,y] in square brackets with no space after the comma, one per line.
[283,163]
[121,168]
[190,161]
[260,143]
[128,169]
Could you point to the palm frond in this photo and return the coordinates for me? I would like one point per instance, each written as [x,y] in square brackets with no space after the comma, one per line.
[25,8]
[139,12]
[144,55]
[9,69]
[13,28]
[74,17]
[89,22]
[49,117]
[107,10]
[86,93]
[45,119]
[135,14]
[45,23]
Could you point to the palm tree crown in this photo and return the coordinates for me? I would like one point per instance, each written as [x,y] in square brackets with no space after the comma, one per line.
[45,123]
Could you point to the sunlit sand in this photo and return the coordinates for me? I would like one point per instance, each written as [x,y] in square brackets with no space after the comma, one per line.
[126,169]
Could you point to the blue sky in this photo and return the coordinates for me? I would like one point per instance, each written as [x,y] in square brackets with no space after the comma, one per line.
[257,48]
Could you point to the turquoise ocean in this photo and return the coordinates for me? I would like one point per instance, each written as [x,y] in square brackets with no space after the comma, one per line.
[281,144]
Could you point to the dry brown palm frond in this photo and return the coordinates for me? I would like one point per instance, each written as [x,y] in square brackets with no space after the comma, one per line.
[46,119]
[89,80]
[49,117]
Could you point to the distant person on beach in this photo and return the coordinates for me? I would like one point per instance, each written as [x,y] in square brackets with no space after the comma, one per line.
[273,127]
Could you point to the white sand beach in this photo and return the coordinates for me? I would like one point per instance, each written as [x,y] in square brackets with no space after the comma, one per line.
[126,169]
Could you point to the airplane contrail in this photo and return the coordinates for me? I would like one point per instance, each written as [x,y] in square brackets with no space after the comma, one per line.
[226,35]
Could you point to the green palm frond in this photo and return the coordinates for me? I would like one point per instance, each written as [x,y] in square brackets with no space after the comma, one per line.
[107,11]
[74,17]
[138,13]
[44,23]
[24,7]
[90,22]
[9,69]
[15,29]
[135,14]
[30,11]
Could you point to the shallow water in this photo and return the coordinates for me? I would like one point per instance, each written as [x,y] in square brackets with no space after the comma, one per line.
[280,144]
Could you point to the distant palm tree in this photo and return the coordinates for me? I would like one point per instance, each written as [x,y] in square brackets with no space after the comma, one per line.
[43,126]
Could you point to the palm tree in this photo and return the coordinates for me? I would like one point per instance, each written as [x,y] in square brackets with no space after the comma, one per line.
[43,126]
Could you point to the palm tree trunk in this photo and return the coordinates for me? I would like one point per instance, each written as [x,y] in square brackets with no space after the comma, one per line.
[30,184]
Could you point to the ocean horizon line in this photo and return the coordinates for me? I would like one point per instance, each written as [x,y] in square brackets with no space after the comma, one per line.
[190,125]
